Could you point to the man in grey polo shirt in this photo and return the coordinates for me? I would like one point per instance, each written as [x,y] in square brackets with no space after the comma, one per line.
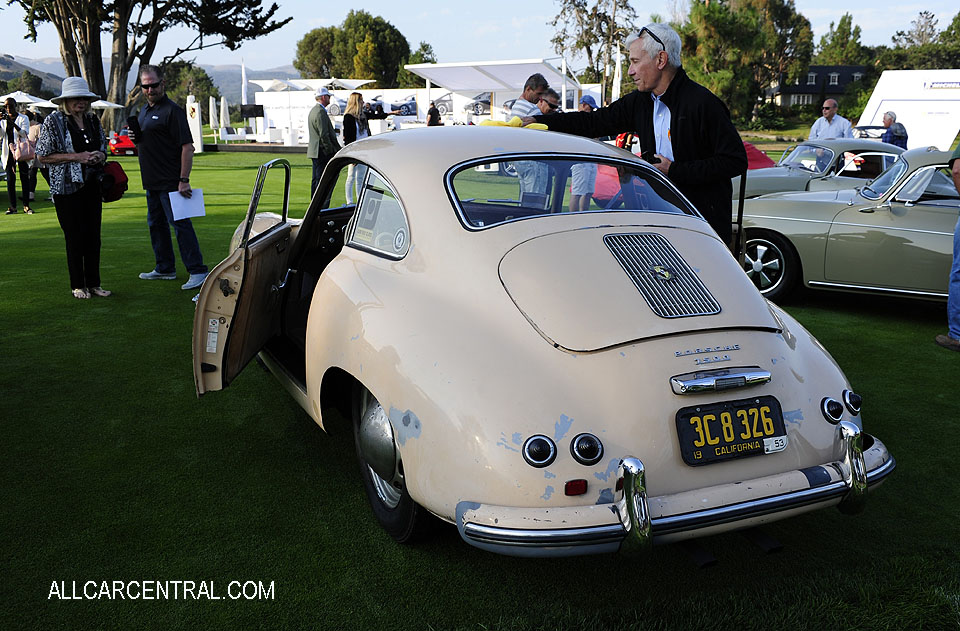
[165,150]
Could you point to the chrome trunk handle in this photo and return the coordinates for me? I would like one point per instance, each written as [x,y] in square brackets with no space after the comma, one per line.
[719,379]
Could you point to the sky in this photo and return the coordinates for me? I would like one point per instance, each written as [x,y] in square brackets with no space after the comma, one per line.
[468,31]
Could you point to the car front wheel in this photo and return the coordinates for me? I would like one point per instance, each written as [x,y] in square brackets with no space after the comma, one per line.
[770,263]
[478,109]
[397,512]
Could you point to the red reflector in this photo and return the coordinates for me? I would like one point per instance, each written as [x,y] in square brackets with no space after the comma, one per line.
[619,484]
[575,487]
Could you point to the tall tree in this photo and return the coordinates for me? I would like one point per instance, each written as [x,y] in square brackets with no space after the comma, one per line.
[183,78]
[422,55]
[841,45]
[723,43]
[593,29]
[366,63]
[390,45]
[950,36]
[787,43]
[923,31]
[135,27]
[314,57]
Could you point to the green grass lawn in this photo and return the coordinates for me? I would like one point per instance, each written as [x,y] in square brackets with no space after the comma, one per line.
[113,470]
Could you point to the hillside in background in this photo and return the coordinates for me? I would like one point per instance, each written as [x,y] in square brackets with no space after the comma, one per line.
[225,77]
[51,75]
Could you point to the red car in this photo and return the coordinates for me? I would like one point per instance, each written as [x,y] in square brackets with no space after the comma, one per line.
[121,145]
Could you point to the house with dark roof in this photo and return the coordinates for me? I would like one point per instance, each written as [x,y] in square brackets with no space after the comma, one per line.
[820,82]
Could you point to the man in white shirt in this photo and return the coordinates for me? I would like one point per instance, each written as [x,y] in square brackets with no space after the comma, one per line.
[831,124]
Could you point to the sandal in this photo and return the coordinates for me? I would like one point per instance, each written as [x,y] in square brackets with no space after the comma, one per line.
[81,293]
[100,291]
[27,210]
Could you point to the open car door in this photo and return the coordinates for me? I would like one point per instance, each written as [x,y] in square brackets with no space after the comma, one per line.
[238,309]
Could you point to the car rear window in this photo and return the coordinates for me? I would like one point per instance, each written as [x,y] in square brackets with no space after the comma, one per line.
[498,191]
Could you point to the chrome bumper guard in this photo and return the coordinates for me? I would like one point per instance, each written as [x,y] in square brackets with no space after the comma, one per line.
[635,529]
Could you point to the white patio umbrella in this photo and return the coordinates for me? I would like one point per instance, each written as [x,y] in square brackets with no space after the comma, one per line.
[214,125]
[43,104]
[20,97]
[224,112]
[105,105]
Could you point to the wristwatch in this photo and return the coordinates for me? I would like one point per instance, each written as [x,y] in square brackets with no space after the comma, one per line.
[185,180]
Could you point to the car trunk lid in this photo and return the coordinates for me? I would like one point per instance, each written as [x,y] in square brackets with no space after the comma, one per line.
[590,289]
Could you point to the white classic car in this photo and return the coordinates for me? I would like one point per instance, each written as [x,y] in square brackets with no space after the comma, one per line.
[551,382]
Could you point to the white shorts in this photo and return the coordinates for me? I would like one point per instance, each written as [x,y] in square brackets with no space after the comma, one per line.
[584,177]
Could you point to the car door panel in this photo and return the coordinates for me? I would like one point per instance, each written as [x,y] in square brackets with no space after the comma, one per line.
[896,247]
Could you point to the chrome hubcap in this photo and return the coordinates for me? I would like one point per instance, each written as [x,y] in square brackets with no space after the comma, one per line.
[763,263]
[389,491]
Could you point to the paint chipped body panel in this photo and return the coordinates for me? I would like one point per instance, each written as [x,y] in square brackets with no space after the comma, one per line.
[481,332]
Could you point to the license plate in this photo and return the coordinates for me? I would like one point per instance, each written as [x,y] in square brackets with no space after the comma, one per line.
[732,429]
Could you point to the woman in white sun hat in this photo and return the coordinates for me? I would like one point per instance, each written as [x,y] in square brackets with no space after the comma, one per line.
[73,145]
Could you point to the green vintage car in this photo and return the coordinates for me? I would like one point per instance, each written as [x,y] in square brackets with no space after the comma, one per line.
[821,165]
[892,235]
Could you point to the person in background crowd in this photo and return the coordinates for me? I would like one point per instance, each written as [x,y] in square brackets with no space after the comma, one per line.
[166,159]
[681,125]
[584,174]
[323,142]
[533,90]
[895,134]
[74,146]
[356,127]
[587,103]
[34,165]
[831,124]
[14,127]
[433,115]
[952,339]
[549,103]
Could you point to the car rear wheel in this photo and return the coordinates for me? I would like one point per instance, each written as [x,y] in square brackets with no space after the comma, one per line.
[771,264]
[442,108]
[478,109]
[334,110]
[382,470]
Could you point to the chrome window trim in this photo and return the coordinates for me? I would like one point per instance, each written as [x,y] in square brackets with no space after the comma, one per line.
[906,180]
[901,180]
[569,157]
[352,224]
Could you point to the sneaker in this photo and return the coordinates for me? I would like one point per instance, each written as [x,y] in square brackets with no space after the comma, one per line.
[28,210]
[11,211]
[194,281]
[155,275]
[947,342]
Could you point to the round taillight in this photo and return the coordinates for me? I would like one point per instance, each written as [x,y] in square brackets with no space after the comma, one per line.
[539,451]
[853,401]
[832,410]
[586,449]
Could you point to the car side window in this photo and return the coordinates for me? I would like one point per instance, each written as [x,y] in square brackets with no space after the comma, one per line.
[380,225]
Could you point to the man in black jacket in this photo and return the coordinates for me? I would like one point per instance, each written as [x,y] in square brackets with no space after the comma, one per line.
[684,130]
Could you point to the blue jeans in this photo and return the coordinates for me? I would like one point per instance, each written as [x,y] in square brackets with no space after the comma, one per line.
[953,293]
[159,219]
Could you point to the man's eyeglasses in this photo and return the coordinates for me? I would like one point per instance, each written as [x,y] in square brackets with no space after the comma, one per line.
[147,86]
[653,35]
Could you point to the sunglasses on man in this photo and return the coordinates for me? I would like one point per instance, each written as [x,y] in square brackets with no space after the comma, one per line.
[653,35]
[147,86]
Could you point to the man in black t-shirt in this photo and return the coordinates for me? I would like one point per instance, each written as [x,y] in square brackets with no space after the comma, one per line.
[166,158]
[433,115]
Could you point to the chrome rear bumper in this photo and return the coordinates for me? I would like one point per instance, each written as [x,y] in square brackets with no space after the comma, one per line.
[628,524]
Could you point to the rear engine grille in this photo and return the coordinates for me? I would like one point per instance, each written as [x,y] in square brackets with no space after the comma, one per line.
[666,282]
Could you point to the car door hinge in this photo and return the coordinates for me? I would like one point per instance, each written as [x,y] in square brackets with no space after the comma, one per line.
[226,288]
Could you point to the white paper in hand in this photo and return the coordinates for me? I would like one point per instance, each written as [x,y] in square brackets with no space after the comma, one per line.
[186,207]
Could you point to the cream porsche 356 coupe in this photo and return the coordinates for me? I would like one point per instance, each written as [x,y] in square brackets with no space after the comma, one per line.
[552,382]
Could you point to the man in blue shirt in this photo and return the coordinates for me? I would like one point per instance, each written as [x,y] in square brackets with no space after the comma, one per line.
[895,134]
[166,157]
[831,124]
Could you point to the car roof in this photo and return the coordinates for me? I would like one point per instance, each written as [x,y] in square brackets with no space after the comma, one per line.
[434,150]
[923,156]
[854,144]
